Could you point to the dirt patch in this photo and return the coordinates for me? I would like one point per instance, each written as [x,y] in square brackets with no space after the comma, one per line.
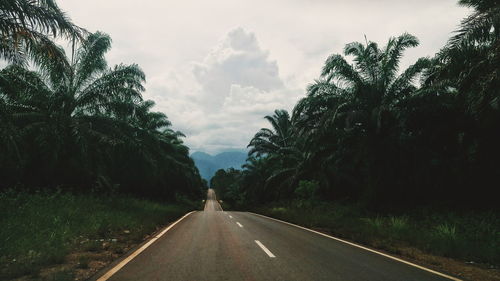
[90,256]
[461,269]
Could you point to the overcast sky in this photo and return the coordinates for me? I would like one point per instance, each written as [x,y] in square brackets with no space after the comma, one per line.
[216,68]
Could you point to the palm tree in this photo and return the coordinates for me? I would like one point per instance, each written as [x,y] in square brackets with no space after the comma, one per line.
[66,106]
[372,85]
[356,99]
[466,70]
[27,28]
[483,25]
[351,108]
[83,87]
[359,98]
[468,64]
[284,151]
[271,141]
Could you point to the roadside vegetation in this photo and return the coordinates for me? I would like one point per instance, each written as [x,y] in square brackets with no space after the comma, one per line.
[41,229]
[374,152]
[468,236]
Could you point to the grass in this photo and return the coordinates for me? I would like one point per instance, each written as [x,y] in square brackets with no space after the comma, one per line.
[465,236]
[83,261]
[40,229]
[61,276]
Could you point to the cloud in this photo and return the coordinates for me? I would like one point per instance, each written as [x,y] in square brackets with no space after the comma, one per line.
[237,60]
[253,101]
[229,93]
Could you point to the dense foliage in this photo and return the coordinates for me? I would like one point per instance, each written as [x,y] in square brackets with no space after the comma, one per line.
[75,122]
[371,133]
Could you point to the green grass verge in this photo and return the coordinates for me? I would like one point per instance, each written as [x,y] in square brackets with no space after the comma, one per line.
[40,229]
[466,236]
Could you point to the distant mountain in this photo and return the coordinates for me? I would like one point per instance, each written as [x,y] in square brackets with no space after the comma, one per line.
[208,164]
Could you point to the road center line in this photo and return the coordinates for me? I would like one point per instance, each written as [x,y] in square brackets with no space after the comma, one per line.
[239,224]
[266,250]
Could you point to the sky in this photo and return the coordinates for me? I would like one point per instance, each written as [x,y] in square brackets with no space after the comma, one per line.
[216,68]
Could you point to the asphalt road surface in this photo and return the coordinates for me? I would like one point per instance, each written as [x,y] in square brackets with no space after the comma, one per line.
[217,245]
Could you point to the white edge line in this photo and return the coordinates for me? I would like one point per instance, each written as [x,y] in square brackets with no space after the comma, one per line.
[364,248]
[119,266]
[266,250]
[239,224]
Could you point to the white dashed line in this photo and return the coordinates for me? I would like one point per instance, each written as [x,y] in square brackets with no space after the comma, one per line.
[265,249]
[230,217]
[239,224]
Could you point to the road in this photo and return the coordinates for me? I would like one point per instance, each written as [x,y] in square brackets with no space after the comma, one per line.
[217,245]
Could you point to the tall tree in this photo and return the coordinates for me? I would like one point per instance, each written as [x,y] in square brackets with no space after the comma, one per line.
[28,28]
[271,141]
[373,85]
[350,110]
[64,105]
[468,64]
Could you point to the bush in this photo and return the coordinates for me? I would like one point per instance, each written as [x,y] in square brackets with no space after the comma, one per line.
[306,192]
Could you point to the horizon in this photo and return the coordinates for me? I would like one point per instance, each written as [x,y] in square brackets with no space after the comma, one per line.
[225,151]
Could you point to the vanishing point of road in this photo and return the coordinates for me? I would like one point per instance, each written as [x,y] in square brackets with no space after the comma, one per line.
[218,245]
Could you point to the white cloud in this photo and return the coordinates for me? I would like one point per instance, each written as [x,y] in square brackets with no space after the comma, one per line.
[229,92]
[237,60]
[250,100]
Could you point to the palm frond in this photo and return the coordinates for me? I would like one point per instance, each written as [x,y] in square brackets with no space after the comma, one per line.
[337,67]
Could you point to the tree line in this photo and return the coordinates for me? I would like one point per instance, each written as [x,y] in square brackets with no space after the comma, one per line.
[71,121]
[371,133]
